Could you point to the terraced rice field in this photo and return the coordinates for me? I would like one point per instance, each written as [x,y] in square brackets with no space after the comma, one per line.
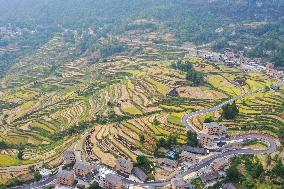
[121,97]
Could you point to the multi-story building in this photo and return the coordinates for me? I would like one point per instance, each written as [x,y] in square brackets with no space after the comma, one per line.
[214,128]
[188,157]
[210,177]
[69,157]
[82,169]
[66,178]
[113,181]
[207,140]
[124,166]
[169,163]
[140,174]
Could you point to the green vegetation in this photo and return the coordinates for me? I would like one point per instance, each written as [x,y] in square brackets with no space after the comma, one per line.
[167,143]
[192,139]
[230,111]
[94,185]
[37,175]
[248,172]
[145,164]
[142,138]
[6,160]
[192,75]
[81,67]
[198,183]
[233,174]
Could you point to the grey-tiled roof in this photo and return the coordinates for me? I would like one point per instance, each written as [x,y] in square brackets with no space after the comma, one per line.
[113,179]
[209,177]
[170,162]
[188,154]
[69,154]
[125,163]
[140,174]
[66,174]
[214,124]
[195,150]
[82,165]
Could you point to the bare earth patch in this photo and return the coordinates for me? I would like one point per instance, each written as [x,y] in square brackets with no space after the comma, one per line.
[198,93]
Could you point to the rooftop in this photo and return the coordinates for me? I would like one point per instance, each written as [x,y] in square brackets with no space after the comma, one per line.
[69,154]
[140,174]
[82,165]
[209,177]
[207,136]
[170,162]
[171,154]
[113,179]
[66,174]
[195,150]
[214,125]
[124,162]
[188,154]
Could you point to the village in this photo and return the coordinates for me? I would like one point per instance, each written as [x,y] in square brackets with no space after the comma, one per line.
[213,138]
[232,59]
[202,161]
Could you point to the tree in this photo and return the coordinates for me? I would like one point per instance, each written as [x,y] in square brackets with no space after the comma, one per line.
[142,138]
[209,120]
[192,75]
[233,174]
[3,145]
[254,167]
[248,184]
[20,155]
[230,111]
[278,169]
[162,143]
[172,140]
[156,122]
[94,185]
[14,182]
[192,139]
[2,186]
[50,187]
[37,175]
[144,163]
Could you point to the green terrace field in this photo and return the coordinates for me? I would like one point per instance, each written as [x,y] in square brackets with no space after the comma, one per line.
[51,96]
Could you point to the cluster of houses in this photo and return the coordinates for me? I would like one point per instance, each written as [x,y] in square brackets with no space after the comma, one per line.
[251,65]
[211,174]
[230,58]
[81,173]
[84,173]
[10,32]
[212,134]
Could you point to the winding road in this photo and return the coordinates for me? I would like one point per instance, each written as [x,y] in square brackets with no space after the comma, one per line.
[272,146]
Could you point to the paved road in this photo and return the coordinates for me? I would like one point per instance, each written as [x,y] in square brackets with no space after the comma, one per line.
[206,162]
[272,146]
[40,184]
[219,107]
